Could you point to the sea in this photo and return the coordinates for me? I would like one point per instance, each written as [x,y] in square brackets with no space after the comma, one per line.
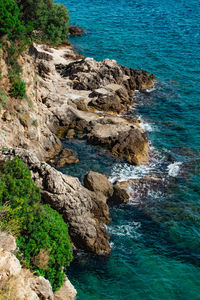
[155,238]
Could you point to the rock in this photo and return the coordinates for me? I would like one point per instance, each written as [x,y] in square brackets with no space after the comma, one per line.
[66,292]
[123,139]
[75,30]
[98,183]
[100,208]
[7,242]
[41,55]
[9,264]
[67,156]
[120,195]
[77,204]
[132,145]
[88,74]
[70,133]
[106,102]
[42,288]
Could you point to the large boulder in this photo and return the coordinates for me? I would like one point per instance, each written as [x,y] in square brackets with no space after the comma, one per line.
[98,183]
[7,242]
[103,99]
[42,288]
[123,140]
[120,195]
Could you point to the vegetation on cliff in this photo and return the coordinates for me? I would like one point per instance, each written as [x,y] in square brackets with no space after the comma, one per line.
[46,16]
[42,235]
[23,22]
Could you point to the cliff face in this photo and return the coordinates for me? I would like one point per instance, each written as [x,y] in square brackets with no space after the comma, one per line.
[19,283]
[27,123]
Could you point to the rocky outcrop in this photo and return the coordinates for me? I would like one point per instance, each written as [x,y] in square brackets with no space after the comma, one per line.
[83,210]
[98,183]
[61,84]
[88,74]
[123,141]
[19,283]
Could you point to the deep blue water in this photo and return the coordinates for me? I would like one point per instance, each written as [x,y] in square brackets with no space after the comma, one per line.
[156,247]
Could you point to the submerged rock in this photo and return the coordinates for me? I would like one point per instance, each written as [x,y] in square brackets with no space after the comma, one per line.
[75,30]
[66,156]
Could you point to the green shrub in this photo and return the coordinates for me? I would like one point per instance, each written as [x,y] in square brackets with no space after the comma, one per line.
[57,29]
[19,184]
[52,19]
[39,228]
[48,232]
[9,17]
[18,89]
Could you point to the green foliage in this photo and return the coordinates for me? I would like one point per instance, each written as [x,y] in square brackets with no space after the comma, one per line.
[9,17]
[48,231]
[52,19]
[35,123]
[39,228]
[19,183]
[57,29]
[10,23]
[18,89]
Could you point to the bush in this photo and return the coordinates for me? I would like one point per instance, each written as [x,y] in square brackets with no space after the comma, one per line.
[47,232]
[18,184]
[50,18]
[9,17]
[57,28]
[42,235]
[18,89]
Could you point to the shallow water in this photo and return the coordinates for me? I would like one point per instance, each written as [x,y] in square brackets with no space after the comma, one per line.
[156,245]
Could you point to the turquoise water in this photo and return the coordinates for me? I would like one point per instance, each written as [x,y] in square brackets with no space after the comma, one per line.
[156,245]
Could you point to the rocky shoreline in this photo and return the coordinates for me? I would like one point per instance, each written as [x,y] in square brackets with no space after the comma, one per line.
[72,95]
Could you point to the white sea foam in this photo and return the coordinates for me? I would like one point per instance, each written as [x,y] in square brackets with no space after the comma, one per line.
[124,171]
[145,126]
[150,90]
[126,230]
[112,245]
[174,169]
